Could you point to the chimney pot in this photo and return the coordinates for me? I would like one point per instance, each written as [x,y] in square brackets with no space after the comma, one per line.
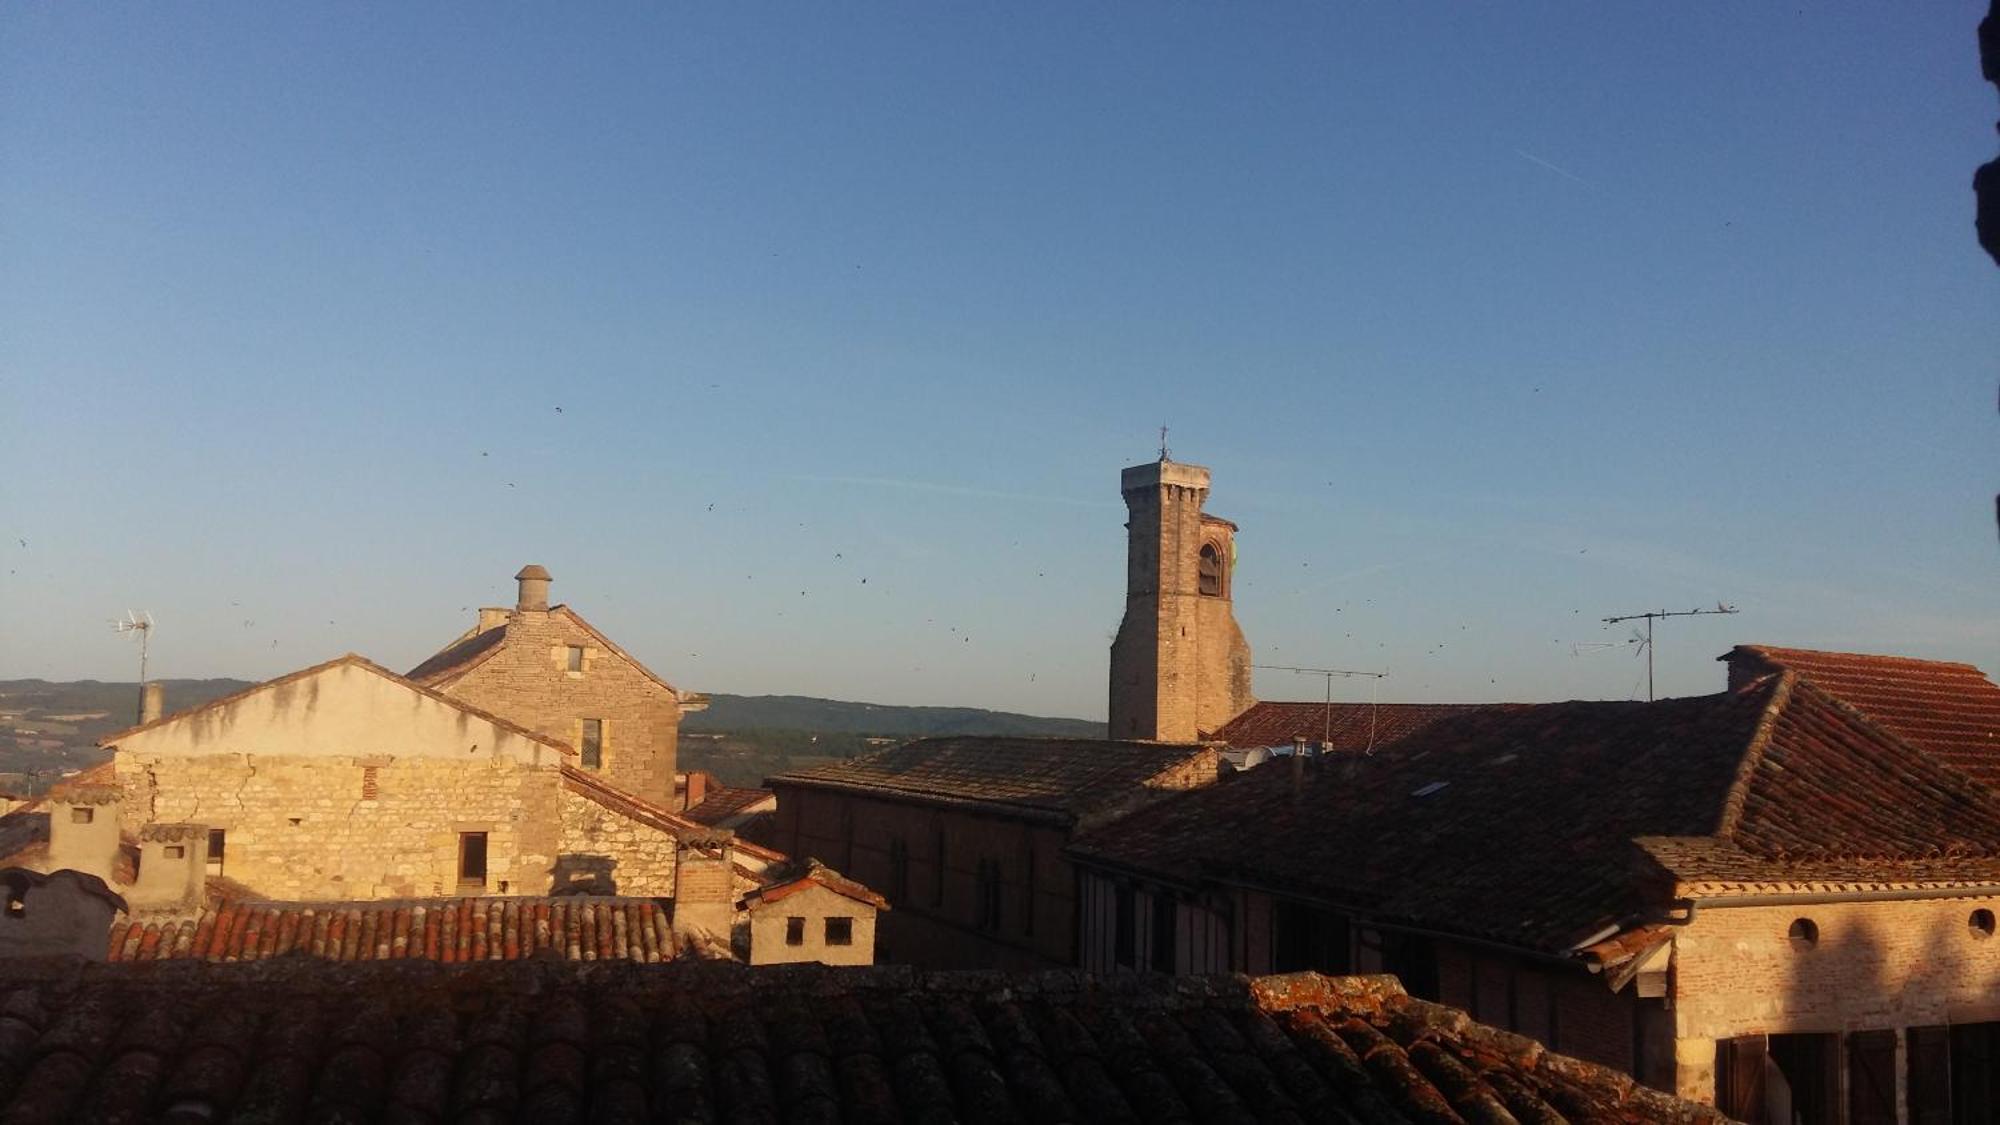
[152,701]
[534,585]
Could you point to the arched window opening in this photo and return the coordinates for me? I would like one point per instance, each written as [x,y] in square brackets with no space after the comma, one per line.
[1210,571]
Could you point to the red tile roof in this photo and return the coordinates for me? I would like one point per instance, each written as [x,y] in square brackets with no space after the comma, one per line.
[1951,710]
[1063,780]
[816,874]
[1342,726]
[448,930]
[287,1040]
[1517,824]
[723,803]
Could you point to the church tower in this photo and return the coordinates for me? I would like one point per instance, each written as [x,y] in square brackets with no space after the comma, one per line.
[1180,665]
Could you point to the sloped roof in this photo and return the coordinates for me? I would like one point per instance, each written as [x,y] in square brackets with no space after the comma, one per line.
[815,874]
[463,655]
[292,1039]
[1342,726]
[352,660]
[447,930]
[1518,824]
[1949,709]
[1064,779]
[723,803]
[588,785]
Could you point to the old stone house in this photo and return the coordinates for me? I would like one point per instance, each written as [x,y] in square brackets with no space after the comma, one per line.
[347,784]
[545,668]
[1778,898]
[965,835]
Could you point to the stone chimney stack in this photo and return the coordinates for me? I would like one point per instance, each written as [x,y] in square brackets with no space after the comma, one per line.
[705,884]
[152,702]
[83,830]
[534,582]
[172,866]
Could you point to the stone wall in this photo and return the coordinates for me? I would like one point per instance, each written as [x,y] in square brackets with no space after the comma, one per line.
[302,828]
[1737,971]
[605,852]
[528,682]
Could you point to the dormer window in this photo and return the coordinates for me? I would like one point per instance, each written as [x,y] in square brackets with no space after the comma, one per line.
[1209,571]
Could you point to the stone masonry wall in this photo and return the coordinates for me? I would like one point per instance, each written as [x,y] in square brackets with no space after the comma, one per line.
[354,827]
[603,852]
[528,682]
[1876,965]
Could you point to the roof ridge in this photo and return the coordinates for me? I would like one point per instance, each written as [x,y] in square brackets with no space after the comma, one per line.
[1768,651]
[356,660]
[607,642]
[1731,815]
[1868,722]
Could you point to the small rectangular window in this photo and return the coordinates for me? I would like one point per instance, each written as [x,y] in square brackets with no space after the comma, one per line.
[371,783]
[472,859]
[593,744]
[840,931]
[574,658]
[216,840]
[899,870]
[795,931]
[176,851]
[82,814]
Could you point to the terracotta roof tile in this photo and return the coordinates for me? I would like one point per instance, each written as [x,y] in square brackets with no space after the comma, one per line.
[286,1040]
[1342,726]
[1065,779]
[1518,823]
[447,930]
[1951,710]
[723,803]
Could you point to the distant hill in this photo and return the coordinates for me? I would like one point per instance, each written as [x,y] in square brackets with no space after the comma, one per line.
[732,713]
[48,727]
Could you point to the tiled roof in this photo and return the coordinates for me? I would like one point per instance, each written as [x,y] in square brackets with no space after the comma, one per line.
[1063,779]
[721,804]
[577,928]
[816,874]
[1949,709]
[466,653]
[1518,824]
[458,657]
[586,784]
[289,1041]
[1343,726]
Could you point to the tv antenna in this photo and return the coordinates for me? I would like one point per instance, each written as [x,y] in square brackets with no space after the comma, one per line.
[140,623]
[1163,443]
[1326,728]
[1645,642]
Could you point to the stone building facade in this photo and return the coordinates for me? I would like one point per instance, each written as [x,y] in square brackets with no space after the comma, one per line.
[545,668]
[1179,663]
[345,781]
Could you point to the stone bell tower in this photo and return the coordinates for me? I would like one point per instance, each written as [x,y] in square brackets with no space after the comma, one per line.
[1180,665]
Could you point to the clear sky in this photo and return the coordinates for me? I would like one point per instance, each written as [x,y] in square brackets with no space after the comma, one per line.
[804,343]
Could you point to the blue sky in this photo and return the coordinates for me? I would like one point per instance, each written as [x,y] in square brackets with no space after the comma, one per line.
[1490,320]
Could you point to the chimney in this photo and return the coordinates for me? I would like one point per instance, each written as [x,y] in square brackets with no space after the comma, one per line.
[83,830]
[152,701]
[172,866]
[1299,768]
[697,787]
[705,884]
[534,582]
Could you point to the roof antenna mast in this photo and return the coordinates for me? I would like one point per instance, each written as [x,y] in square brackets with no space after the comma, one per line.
[139,622]
[1645,643]
[1326,728]
[1163,443]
